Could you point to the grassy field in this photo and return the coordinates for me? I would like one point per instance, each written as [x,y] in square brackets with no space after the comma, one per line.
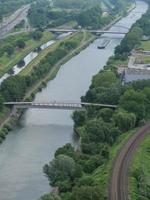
[7,62]
[145,45]
[141,163]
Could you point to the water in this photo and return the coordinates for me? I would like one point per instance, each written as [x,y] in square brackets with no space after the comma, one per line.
[41,132]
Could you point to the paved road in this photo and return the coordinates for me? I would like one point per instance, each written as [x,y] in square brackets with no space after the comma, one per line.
[18,32]
[118,188]
[62,30]
[13,20]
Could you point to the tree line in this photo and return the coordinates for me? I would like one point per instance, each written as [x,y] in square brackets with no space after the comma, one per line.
[74,172]
[86,13]
[15,87]
[134,36]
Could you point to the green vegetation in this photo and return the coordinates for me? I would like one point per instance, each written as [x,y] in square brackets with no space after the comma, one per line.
[85,13]
[102,130]
[86,18]
[145,45]
[44,53]
[139,181]
[142,59]
[139,174]
[15,48]
[133,38]
[73,4]
[15,88]
[50,197]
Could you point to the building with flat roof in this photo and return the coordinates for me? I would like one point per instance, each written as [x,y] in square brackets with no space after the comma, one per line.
[132,74]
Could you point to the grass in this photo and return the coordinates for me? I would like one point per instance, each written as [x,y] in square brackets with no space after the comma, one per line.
[118,63]
[101,175]
[7,62]
[41,55]
[145,45]
[85,38]
[142,60]
[141,160]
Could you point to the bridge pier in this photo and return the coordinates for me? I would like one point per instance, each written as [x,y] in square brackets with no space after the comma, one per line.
[14,111]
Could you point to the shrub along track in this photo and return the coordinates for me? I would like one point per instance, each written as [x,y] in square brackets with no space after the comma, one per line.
[118,185]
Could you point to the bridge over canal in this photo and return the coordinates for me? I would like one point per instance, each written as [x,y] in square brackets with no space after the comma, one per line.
[58,30]
[56,105]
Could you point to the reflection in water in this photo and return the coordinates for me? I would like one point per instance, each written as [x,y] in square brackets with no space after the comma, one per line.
[41,132]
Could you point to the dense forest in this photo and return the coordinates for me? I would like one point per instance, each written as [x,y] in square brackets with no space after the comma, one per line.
[85,13]
[73,4]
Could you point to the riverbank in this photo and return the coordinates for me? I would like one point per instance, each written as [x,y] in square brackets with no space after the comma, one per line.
[8,121]
[86,40]
[40,132]
[103,132]
[30,94]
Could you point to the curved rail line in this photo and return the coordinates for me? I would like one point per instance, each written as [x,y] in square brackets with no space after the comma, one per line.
[118,187]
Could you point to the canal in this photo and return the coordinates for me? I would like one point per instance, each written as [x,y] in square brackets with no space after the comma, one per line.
[40,132]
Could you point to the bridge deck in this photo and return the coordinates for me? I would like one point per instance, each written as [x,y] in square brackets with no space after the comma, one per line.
[92,31]
[57,105]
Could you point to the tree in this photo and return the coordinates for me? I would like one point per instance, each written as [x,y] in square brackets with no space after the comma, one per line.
[13,88]
[106,114]
[134,102]
[92,163]
[21,44]
[21,63]
[104,79]
[87,17]
[1,103]
[66,150]
[131,40]
[9,49]
[79,117]
[62,168]
[124,120]
[96,130]
[37,35]
[50,197]
[87,193]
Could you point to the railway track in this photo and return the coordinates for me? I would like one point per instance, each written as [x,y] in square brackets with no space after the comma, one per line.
[118,185]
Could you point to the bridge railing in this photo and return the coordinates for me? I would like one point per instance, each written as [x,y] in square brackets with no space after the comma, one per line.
[57,104]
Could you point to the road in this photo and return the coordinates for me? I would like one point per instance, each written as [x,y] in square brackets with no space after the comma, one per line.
[118,188]
[13,20]
[25,30]
[63,30]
